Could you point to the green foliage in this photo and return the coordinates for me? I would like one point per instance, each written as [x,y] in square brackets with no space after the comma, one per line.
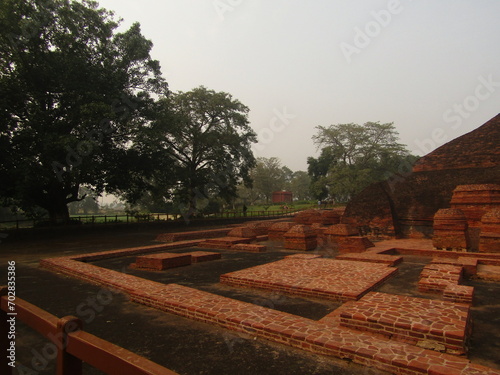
[73,94]
[354,156]
[203,139]
[268,176]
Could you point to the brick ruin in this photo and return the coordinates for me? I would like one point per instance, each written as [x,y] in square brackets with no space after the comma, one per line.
[448,209]
[404,205]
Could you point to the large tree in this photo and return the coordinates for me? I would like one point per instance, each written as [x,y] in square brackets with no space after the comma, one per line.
[73,93]
[207,136]
[269,176]
[354,156]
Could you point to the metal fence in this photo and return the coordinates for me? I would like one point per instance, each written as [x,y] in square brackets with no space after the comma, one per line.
[144,218]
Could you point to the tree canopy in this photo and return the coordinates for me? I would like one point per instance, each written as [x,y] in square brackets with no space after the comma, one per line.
[206,138]
[73,94]
[354,156]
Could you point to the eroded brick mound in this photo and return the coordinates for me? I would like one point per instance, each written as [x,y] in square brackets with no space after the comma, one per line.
[278,230]
[404,205]
[260,228]
[319,229]
[308,217]
[301,237]
[342,230]
[476,200]
[450,230]
[244,232]
[330,217]
[489,239]
[354,244]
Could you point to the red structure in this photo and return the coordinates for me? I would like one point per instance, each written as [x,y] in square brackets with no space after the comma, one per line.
[282,197]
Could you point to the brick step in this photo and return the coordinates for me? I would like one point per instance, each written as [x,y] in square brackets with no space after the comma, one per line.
[439,325]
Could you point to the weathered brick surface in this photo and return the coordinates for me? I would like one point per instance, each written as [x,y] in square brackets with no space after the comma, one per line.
[252,248]
[450,230]
[338,280]
[321,337]
[353,244]
[261,228]
[476,200]
[489,237]
[438,325]
[278,230]
[330,217]
[473,158]
[193,235]
[469,265]
[435,278]
[459,294]
[318,337]
[308,217]
[390,260]
[162,261]
[445,278]
[300,237]
[203,256]
[223,242]
[243,232]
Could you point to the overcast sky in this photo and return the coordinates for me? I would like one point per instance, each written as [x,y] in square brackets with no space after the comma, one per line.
[430,66]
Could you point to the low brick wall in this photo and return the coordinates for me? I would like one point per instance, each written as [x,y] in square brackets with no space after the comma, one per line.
[412,320]
[192,235]
[445,279]
[390,260]
[250,247]
[257,321]
[162,261]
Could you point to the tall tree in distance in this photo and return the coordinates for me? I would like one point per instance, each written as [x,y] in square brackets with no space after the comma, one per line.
[269,176]
[354,156]
[73,94]
[207,136]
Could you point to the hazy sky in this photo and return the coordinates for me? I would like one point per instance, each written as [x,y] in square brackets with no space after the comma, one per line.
[430,66]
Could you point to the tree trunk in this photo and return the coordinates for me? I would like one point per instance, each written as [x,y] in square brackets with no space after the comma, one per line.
[58,212]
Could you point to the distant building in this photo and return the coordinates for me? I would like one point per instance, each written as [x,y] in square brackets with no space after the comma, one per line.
[282,197]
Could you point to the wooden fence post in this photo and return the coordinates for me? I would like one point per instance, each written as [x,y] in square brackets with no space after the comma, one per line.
[67,364]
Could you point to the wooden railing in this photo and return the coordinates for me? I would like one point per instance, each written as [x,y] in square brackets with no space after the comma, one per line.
[74,346]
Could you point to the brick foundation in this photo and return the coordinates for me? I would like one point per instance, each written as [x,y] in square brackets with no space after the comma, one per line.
[162,261]
[337,280]
[412,320]
[318,337]
[203,256]
[193,235]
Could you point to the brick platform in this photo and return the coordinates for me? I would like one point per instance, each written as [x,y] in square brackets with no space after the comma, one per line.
[223,242]
[390,260]
[445,278]
[193,235]
[338,280]
[162,261]
[252,248]
[431,324]
[318,337]
[300,237]
[278,230]
[242,232]
[203,256]
[437,277]
[258,321]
